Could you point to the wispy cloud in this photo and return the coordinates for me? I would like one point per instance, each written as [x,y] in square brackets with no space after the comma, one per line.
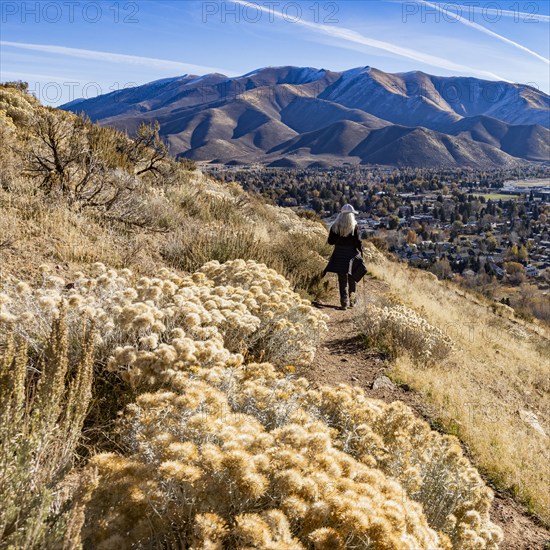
[112,57]
[481,28]
[33,76]
[497,12]
[357,39]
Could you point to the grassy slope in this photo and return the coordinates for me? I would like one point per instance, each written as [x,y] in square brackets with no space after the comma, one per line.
[187,219]
[201,223]
[500,367]
[478,393]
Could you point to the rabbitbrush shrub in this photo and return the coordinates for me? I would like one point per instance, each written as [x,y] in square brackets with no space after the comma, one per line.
[230,447]
[397,328]
[221,450]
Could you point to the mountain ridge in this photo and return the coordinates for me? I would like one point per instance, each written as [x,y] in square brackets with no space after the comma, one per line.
[262,115]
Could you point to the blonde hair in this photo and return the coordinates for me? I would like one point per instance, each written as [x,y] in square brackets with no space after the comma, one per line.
[344,224]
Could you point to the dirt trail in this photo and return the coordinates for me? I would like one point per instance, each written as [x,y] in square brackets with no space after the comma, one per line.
[342,359]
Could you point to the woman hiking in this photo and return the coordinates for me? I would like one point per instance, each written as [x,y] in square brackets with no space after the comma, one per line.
[344,235]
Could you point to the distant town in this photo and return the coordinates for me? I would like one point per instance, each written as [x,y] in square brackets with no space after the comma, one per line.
[467,230]
[489,230]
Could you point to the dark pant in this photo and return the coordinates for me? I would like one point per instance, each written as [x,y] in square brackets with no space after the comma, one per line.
[347,286]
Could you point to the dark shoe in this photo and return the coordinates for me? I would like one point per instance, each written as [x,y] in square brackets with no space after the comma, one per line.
[343,308]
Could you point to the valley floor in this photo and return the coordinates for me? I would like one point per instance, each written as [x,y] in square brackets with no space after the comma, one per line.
[342,359]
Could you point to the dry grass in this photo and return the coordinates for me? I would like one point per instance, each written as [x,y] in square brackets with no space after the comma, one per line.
[44,403]
[36,232]
[171,217]
[500,367]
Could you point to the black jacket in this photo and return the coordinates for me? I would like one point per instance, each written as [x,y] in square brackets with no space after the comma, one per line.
[345,249]
[352,240]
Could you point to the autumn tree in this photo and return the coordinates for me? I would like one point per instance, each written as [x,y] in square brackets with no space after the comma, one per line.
[411,236]
[491,243]
[515,272]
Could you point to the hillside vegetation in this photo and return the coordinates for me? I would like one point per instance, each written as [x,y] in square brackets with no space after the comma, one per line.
[153,328]
[73,193]
[483,370]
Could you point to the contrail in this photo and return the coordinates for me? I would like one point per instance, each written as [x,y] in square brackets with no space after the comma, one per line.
[505,13]
[481,28]
[354,37]
[113,57]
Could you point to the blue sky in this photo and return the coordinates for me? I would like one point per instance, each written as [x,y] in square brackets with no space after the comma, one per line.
[69,49]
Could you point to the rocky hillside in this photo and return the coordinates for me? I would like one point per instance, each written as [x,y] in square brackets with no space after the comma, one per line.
[292,116]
